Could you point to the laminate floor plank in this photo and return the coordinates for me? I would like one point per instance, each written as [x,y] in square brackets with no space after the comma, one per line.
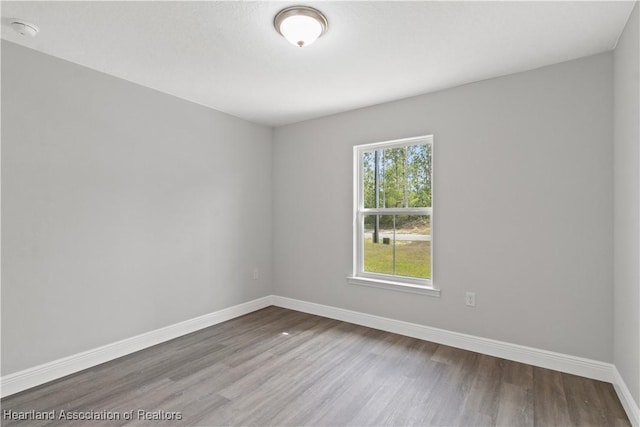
[517,374]
[448,403]
[483,395]
[418,377]
[345,392]
[278,367]
[580,394]
[550,402]
[515,406]
[386,379]
[317,387]
[610,403]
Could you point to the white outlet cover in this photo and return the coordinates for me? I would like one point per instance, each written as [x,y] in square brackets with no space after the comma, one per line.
[471,299]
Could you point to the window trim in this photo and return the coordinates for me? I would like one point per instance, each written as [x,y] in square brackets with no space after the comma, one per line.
[380,280]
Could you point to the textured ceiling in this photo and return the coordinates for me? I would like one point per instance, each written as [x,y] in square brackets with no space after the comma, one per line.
[228,56]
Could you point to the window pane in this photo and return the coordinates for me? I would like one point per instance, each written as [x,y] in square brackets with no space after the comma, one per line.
[419,175]
[413,246]
[369,178]
[402,247]
[378,252]
[393,175]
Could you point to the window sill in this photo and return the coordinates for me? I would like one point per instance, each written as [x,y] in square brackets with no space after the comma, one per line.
[394,286]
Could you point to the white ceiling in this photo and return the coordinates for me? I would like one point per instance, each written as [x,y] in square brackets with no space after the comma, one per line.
[228,56]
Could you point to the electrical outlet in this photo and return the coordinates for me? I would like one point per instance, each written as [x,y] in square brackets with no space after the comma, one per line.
[471,299]
[256,274]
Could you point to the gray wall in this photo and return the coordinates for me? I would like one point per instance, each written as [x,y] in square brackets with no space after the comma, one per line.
[123,209]
[523,179]
[627,205]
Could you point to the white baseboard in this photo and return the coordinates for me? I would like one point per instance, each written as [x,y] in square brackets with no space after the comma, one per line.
[630,406]
[31,377]
[532,356]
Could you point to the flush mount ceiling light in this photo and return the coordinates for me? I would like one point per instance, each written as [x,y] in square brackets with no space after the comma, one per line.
[301,25]
[24,28]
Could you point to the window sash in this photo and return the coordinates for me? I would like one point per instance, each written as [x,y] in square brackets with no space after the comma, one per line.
[361,237]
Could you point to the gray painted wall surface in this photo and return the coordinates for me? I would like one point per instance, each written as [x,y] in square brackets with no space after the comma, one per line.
[627,205]
[523,196]
[123,209]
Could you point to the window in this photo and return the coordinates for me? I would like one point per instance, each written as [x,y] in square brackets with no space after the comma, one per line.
[393,212]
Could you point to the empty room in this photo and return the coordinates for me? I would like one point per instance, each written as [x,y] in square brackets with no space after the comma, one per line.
[325,213]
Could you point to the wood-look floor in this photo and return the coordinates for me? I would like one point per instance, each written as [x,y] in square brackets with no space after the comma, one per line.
[282,367]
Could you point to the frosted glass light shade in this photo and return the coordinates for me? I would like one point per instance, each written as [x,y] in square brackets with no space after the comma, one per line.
[300,25]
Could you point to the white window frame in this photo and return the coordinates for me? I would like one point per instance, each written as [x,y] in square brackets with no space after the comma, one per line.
[379,280]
